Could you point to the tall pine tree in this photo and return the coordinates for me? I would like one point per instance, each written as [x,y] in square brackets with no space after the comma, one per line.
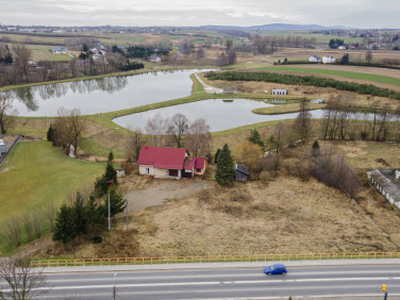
[65,229]
[255,138]
[80,215]
[225,171]
[117,202]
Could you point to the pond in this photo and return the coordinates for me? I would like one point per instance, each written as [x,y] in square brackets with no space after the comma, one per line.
[103,95]
[219,114]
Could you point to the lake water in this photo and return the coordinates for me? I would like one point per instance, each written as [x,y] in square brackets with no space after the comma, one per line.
[219,114]
[103,95]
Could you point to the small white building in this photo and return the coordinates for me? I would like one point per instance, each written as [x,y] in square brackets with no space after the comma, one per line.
[155,59]
[60,50]
[279,92]
[397,174]
[328,60]
[343,47]
[314,58]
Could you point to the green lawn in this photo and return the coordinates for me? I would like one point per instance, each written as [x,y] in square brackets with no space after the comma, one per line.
[36,174]
[346,74]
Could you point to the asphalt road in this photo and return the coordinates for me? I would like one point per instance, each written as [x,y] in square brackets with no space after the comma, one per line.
[226,282]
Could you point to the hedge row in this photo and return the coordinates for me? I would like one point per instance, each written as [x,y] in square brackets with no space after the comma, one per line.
[367,89]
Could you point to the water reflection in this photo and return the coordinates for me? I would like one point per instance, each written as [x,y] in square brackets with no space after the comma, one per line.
[219,114]
[104,94]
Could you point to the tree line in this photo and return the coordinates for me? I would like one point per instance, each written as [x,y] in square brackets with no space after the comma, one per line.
[16,66]
[176,131]
[367,89]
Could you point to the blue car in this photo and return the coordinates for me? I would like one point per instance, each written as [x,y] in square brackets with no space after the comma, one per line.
[277,269]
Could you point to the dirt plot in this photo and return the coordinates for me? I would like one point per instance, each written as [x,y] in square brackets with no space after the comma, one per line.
[163,190]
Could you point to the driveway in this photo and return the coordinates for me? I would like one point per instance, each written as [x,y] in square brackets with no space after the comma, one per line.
[161,190]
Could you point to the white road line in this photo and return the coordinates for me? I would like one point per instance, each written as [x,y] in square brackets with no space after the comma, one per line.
[163,284]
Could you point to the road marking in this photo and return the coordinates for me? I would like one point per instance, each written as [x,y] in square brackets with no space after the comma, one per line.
[163,284]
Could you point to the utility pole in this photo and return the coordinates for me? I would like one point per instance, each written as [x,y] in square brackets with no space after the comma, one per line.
[126,214]
[110,182]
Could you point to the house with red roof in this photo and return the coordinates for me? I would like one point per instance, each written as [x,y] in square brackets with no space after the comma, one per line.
[170,163]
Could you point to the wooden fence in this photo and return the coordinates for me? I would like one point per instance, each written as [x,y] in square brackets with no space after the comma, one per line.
[58,262]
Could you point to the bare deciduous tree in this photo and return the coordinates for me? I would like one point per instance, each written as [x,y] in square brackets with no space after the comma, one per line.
[6,112]
[37,223]
[199,137]
[68,128]
[50,213]
[12,230]
[23,282]
[302,123]
[23,55]
[134,144]
[28,225]
[178,128]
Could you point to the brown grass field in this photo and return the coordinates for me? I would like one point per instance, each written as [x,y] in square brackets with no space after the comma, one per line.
[277,214]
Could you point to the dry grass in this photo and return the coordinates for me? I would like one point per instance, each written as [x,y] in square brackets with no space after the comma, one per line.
[286,216]
[365,155]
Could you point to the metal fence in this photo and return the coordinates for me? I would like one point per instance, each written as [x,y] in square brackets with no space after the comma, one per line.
[4,157]
[209,259]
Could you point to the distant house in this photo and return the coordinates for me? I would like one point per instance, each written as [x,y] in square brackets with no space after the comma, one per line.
[169,163]
[3,147]
[279,92]
[32,66]
[343,47]
[60,50]
[241,172]
[397,174]
[154,58]
[328,60]
[228,91]
[314,58]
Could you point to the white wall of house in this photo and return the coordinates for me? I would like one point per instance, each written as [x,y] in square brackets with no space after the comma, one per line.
[157,173]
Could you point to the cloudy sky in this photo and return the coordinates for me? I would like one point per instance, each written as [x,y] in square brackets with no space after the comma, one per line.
[354,13]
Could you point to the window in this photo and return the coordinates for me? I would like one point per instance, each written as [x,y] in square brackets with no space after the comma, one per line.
[147,171]
[198,170]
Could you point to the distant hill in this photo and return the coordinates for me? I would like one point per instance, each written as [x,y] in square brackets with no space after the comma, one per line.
[274,27]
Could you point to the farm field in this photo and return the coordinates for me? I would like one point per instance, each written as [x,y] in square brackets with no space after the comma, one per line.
[36,174]
[340,73]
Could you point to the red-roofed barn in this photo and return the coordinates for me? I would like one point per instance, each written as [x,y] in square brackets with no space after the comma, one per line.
[171,163]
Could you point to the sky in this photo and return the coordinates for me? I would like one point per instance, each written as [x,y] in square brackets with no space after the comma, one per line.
[351,13]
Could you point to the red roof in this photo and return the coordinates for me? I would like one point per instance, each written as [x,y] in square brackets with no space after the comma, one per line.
[200,161]
[189,163]
[162,158]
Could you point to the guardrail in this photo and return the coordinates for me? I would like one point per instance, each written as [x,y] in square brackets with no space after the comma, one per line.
[208,259]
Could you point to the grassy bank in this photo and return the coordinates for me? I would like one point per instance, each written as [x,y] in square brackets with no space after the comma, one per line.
[36,174]
[285,109]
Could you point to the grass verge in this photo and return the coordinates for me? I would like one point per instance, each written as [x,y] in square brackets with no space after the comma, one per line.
[36,174]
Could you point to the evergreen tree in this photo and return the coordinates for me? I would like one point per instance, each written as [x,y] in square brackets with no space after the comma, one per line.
[315,149]
[255,138]
[80,215]
[65,229]
[95,213]
[345,59]
[117,202]
[110,157]
[216,155]
[50,134]
[225,171]
[100,185]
